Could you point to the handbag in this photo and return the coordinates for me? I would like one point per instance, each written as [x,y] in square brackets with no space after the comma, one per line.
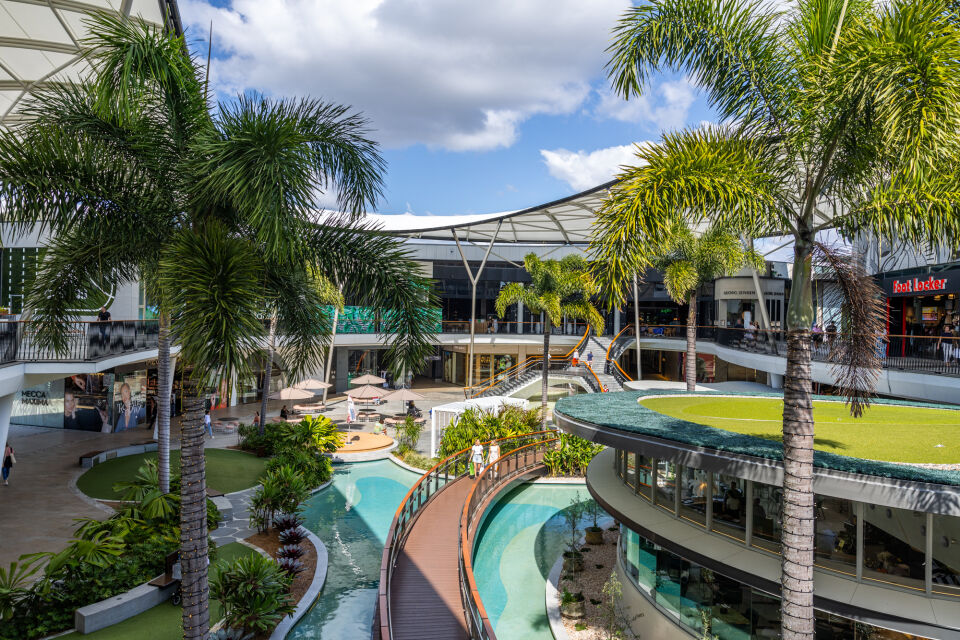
[13,459]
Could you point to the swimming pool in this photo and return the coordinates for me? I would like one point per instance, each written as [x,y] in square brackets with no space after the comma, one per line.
[352,517]
[520,541]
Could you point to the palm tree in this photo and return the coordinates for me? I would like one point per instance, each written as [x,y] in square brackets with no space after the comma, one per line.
[223,200]
[688,262]
[840,114]
[557,288]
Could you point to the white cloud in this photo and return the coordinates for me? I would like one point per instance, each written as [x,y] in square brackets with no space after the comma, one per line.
[665,106]
[585,169]
[446,73]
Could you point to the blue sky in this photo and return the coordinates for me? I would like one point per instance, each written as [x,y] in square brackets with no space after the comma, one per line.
[480,107]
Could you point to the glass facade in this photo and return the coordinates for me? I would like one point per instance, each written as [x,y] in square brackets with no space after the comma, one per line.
[710,604]
[889,543]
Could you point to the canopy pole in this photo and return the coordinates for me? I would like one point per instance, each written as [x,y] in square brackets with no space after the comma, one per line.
[636,323]
[474,278]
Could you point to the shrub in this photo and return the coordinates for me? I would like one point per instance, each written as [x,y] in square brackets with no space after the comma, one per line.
[290,566]
[283,491]
[417,460]
[472,425]
[231,634]
[287,521]
[571,457]
[253,592]
[266,444]
[314,467]
[292,536]
[290,551]
[408,435]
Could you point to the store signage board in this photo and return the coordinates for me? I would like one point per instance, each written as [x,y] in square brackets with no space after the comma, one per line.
[918,285]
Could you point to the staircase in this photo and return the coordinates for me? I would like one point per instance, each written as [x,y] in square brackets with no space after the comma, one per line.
[598,346]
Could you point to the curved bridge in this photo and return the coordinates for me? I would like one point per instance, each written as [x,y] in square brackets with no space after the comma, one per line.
[427,589]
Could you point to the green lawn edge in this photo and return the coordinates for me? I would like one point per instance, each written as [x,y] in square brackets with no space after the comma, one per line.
[227,470]
[621,411]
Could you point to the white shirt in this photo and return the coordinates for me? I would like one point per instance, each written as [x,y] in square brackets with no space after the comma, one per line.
[477,453]
[494,452]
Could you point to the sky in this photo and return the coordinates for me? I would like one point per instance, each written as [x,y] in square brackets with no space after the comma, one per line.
[478,106]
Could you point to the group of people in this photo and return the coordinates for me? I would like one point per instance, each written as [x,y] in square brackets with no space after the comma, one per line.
[575,358]
[480,459]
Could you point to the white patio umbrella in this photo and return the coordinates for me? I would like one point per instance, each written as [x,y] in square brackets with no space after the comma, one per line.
[291,393]
[366,392]
[404,396]
[367,379]
[311,384]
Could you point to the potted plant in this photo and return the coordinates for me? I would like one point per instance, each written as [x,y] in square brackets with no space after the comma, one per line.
[572,557]
[594,534]
[572,605]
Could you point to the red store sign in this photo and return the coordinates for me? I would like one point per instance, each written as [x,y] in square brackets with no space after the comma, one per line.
[918,285]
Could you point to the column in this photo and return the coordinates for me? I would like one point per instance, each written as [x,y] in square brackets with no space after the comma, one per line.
[343,365]
[616,321]
[520,317]
[6,409]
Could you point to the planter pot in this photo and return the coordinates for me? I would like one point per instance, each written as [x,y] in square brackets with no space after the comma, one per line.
[575,609]
[594,535]
[572,561]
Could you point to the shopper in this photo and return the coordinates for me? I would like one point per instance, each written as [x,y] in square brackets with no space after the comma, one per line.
[492,456]
[256,419]
[476,458]
[9,459]
[590,358]
[283,412]
[207,423]
[576,357]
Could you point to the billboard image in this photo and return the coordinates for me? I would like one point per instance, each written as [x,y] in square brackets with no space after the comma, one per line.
[85,403]
[129,401]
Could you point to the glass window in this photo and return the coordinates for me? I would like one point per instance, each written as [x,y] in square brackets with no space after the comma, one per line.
[671,578]
[730,507]
[893,544]
[699,594]
[644,474]
[640,558]
[767,516]
[836,535]
[693,495]
[765,610]
[946,555]
[730,613]
[666,484]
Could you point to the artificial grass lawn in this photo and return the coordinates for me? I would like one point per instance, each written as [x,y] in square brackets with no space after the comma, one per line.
[164,621]
[227,470]
[884,432]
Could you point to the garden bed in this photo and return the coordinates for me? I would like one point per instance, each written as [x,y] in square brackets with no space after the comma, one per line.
[590,627]
[301,583]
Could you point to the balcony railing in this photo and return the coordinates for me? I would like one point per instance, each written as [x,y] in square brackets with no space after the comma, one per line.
[85,341]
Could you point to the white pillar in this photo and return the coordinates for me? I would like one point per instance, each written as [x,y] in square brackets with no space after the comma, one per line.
[616,321]
[520,317]
[433,433]
[6,409]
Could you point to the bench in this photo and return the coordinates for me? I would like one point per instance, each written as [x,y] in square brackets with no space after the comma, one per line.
[92,458]
[105,613]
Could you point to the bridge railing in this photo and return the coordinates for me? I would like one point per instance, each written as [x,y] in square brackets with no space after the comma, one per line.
[84,340]
[495,475]
[419,495]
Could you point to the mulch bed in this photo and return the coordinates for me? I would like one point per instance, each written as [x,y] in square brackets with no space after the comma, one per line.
[270,543]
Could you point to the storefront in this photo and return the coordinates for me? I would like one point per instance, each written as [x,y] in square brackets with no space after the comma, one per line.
[737,301]
[918,306]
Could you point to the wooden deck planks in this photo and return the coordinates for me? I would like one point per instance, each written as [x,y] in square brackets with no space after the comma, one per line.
[425,587]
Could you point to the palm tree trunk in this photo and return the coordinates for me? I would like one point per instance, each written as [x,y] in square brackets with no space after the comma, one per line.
[797,621]
[193,518]
[164,385]
[691,363]
[268,370]
[546,371]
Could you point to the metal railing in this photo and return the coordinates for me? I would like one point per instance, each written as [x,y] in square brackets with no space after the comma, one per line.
[85,341]
[419,495]
[497,474]
[511,327]
[517,370]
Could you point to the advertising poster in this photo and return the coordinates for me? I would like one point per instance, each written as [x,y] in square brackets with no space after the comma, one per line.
[86,405]
[706,367]
[129,401]
[40,406]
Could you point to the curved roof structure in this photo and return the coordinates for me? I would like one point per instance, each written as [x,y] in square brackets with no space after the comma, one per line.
[564,221]
[40,41]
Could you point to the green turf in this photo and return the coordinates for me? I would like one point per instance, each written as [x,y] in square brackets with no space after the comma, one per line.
[227,470]
[163,622]
[884,432]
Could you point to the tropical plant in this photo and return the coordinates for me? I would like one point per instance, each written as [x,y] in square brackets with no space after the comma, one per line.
[282,491]
[254,593]
[558,289]
[230,634]
[572,516]
[839,114]
[313,433]
[615,621]
[688,262]
[13,584]
[290,566]
[135,177]
[474,424]
[408,435]
[290,551]
[571,457]
[287,521]
[313,467]
[292,536]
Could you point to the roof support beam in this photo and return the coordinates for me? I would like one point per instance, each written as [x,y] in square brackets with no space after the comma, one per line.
[39,45]
[473,294]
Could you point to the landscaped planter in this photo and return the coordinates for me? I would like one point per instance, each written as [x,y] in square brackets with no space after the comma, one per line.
[572,605]
[572,561]
[594,535]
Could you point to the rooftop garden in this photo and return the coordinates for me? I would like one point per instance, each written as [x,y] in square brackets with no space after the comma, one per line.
[889,433]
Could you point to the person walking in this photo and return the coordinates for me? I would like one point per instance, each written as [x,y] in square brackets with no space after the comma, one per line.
[103,319]
[492,456]
[9,459]
[476,458]
[590,358]
[256,418]
[208,423]
[575,358]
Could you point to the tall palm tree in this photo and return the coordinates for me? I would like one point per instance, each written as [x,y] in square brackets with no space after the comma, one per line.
[688,262]
[840,114]
[224,201]
[557,288]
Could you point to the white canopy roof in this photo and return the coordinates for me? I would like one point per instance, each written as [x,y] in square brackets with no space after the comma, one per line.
[442,414]
[564,221]
[40,41]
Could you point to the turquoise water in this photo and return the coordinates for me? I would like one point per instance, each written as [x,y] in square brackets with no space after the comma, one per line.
[352,517]
[518,545]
